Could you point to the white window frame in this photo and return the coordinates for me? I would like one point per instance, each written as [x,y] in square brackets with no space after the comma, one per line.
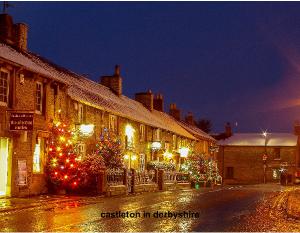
[39,111]
[80,113]
[2,70]
[112,122]
[142,132]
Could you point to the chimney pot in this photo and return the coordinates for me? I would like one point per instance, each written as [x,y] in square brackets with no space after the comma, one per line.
[174,112]
[190,118]
[114,83]
[158,103]
[228,130]
[117,70]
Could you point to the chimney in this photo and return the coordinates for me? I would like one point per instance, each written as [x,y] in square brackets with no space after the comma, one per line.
[13,34]
[158,103]
[6,29]
[190,119]
[228,131]
[114,83]
[174,112]
[145,98]
[297,128]
[21,31]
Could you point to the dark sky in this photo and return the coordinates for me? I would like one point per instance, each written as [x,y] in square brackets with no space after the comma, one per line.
[236,62]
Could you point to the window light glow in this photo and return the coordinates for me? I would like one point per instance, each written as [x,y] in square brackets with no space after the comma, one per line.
[37,157]
[129,131]
[3,165]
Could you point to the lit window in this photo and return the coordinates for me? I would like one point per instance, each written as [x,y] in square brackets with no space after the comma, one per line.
[174,142]
[38,156]
[39,97]
[142,133]
[4,87]
[129,133]
[112,124]
[167,146]
[80,113]
[178,142]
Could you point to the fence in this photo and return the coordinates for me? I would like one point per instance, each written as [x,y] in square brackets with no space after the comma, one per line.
[122,181]
[115,177]
[145,177]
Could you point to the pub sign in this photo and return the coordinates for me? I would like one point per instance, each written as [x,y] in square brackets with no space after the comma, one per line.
[21,121]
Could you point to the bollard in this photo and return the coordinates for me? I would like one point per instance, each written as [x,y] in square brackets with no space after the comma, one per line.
[102,182]
[161,182]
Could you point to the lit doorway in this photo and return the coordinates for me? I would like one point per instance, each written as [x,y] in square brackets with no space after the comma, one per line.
[3,166]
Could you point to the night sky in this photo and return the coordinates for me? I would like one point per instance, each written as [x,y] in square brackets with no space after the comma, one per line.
[236,62]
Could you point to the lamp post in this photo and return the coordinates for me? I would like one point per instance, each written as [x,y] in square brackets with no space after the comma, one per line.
[265,134]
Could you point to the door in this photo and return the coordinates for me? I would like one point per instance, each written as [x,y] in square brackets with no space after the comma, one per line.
[3,166]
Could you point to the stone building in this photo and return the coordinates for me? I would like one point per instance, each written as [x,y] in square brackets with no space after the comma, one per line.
[253,158]
[34,92]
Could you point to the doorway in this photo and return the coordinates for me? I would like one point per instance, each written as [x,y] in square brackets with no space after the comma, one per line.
[4,167]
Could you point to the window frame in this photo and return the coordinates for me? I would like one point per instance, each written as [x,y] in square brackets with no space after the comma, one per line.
[3,70]
[112,122]
[277,153]
[229,172]
[142,132]
[80,113]
[39,111]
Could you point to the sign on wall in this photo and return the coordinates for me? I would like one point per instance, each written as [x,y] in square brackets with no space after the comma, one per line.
[21,121]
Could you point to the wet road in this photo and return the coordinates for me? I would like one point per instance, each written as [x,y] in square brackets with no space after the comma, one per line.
[248,208]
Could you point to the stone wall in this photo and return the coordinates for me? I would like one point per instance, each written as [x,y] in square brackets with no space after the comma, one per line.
[248,165]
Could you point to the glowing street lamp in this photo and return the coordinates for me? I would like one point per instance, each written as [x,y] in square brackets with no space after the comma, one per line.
[265,135]
[184,151]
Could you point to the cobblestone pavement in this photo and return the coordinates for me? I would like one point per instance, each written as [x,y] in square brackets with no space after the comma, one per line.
[237,208]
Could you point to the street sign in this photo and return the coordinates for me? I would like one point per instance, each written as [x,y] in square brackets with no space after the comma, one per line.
[21,121]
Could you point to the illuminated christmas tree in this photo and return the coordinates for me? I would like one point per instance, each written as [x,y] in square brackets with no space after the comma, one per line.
[196,165]
[109,147]
[63,160]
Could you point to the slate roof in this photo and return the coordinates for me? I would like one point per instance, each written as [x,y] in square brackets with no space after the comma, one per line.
[198,133]
[257,139]
[91,93]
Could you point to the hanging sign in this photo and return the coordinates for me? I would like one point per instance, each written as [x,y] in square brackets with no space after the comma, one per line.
[22,172]
[21,121]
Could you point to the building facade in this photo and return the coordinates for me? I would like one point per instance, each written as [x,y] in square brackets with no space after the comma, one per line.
[258,158]
[35,92]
